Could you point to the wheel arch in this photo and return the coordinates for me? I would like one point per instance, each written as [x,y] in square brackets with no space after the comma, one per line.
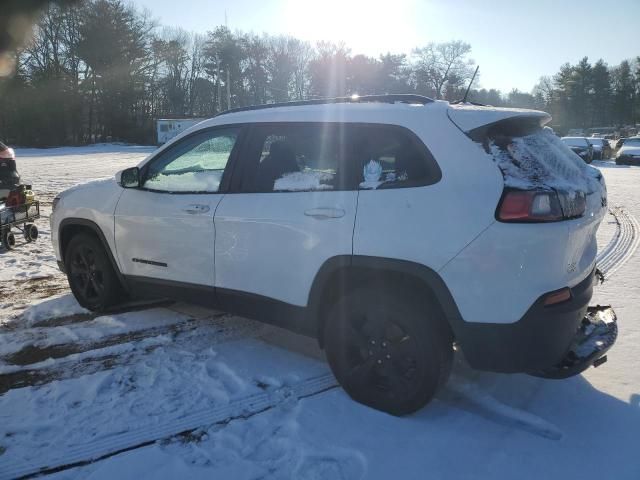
[70,227]
[340,274]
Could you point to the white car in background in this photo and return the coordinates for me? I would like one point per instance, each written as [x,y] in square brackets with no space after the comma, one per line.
[389,227]
[629,153]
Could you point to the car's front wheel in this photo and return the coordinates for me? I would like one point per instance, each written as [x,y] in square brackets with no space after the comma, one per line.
[91,276]
[387,351]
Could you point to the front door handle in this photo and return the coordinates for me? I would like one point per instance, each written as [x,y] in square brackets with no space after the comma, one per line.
[324,213]
[195,209]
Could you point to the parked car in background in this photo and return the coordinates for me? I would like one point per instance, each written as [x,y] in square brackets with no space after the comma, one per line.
[575,132]
[581,146]
[365,198]
[629,152]
[601,148]
[9,177]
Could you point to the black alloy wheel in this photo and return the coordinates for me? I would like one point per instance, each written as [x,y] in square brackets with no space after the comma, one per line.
[382,359]
[86,274]
[91,276]
[388,351]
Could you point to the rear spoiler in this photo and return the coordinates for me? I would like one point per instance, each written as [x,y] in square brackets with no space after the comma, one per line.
[475,121]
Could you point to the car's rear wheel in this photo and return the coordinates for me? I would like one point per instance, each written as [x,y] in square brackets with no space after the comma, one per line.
[91,276]
[387,351]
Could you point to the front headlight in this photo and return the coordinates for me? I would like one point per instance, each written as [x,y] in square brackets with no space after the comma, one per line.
[55,202]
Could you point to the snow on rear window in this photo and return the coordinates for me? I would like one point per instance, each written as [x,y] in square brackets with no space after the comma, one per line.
[542,160]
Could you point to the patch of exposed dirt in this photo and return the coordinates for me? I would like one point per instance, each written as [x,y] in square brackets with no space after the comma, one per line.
[17,295]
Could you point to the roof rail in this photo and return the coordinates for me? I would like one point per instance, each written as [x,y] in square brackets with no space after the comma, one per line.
[393,98]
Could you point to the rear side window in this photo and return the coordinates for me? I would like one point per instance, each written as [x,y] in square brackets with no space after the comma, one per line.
[324,157]
[295,158]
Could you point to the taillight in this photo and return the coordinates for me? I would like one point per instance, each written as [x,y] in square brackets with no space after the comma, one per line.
[540,206]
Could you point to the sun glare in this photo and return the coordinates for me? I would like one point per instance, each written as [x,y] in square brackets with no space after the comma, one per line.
[365,26]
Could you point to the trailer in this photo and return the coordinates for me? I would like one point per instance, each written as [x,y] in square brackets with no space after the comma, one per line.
[167,128]
[20,217]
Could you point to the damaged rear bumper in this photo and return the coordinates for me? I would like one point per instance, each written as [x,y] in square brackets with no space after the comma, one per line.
[595,336]
[555,341]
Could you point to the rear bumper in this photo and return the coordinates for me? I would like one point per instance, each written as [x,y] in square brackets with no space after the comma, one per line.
[538,342]
[597,333]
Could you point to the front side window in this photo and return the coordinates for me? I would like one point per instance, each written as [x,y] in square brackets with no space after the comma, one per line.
[194,165]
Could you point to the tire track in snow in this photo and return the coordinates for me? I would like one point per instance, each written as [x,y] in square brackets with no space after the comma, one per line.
[622,246]
[220,330]
[167,429]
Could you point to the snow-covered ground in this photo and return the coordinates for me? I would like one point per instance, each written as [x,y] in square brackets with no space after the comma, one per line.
[175,391]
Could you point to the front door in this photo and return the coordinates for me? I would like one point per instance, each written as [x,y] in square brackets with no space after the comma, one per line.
[164,229]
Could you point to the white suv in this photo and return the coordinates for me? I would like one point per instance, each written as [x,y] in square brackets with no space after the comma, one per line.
[392,227]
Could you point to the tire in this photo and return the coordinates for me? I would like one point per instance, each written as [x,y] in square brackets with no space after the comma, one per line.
[388,351]
[91,276]
[8,239]
[30,232]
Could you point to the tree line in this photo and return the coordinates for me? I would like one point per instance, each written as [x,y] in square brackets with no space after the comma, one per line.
[101,70]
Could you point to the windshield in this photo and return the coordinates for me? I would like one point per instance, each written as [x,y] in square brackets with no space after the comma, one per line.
[632,142]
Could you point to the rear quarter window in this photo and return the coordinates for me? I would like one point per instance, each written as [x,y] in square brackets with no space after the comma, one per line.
[391,157]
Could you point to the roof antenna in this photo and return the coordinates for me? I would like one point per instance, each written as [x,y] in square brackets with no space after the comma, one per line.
[464,99]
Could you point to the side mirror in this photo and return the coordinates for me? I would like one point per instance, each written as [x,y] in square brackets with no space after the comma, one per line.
[129,178]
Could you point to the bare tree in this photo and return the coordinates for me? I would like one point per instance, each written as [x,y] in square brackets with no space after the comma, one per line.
[443,66]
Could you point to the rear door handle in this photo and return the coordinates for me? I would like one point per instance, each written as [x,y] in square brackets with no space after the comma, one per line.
[195,209]
[324,213]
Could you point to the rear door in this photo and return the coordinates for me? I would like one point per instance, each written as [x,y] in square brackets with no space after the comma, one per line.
[164,229]
[292,208]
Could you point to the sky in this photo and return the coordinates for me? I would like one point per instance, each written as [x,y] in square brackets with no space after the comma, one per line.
[514,41]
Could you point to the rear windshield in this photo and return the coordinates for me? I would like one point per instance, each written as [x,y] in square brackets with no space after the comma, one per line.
[539,159]
[575,142]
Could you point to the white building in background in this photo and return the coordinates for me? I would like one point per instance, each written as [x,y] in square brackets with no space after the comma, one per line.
[168,128]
